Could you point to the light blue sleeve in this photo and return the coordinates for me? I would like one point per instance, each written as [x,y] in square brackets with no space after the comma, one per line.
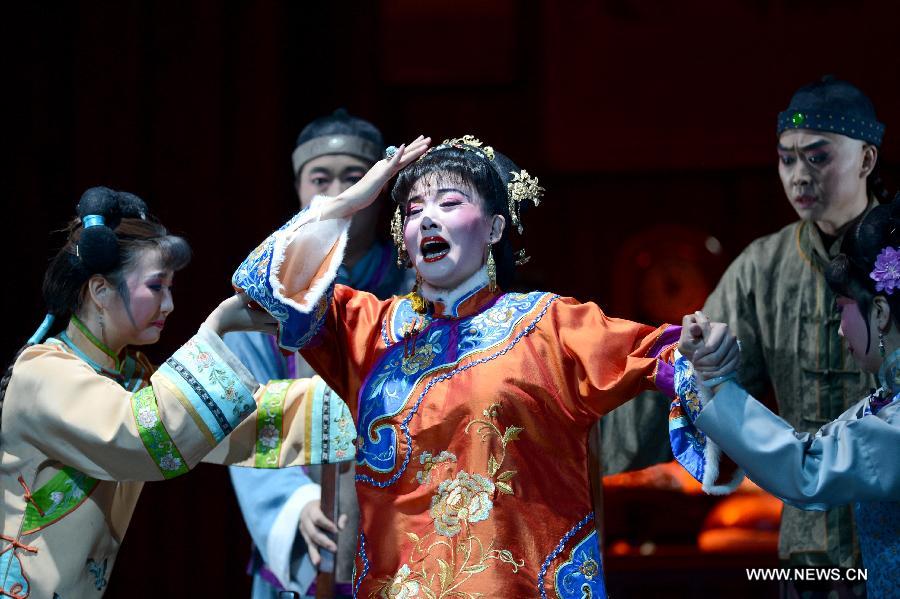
[257,353]
[271,500]
[850,459]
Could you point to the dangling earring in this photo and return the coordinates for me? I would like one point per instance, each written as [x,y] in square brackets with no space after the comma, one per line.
[881,343]
[102,327]
[491,270]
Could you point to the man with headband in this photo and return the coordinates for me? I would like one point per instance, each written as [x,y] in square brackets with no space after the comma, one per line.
[332,153]
[775,298]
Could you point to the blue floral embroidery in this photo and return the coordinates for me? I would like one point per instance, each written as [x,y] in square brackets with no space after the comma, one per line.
[386,393]
[296,328]
[253,275]
[383,437]
[581,577]
[401,318]
[210,385]
[688,442]
[559,549]
[98,570]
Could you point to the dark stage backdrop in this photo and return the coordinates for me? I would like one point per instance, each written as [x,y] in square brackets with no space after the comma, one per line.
[651,124]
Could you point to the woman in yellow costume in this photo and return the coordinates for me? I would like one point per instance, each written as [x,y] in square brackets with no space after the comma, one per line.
[85,420]
[472,404]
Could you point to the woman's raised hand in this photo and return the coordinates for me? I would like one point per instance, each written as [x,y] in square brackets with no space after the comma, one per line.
[235,314]
[362,193]
[710,346]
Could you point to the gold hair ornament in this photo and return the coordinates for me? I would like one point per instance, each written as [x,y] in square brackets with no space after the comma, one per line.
[397,235]
[522,187]
[470,143]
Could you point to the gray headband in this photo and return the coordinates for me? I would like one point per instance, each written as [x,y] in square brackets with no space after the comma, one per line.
[335,144]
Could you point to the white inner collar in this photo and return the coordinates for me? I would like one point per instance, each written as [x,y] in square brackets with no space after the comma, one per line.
[449,297]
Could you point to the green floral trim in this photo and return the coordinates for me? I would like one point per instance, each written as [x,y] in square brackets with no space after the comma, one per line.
[269,418]
[57,498]
[154,435]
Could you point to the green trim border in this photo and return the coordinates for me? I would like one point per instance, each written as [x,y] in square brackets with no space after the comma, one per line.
[153,433]
[270,424]
[57,498]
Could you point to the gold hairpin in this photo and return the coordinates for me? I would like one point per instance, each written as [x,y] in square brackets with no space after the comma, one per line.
[522,187]
[472,142]
[397,236]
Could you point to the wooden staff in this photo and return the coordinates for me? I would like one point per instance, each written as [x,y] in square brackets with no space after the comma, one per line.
[325,579]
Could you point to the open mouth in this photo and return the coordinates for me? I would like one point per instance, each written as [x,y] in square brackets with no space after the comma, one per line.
[805,201]
[434,248]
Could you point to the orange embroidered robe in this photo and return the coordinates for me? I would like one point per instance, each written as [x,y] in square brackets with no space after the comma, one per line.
[473,422]
[472,418]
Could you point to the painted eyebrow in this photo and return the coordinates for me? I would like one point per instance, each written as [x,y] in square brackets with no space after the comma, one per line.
[444,190]
[441,191]
[812,146]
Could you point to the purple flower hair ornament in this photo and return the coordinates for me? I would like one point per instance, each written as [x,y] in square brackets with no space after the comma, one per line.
[887,270]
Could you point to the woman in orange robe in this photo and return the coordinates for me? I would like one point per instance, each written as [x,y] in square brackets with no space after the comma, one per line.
[473,405]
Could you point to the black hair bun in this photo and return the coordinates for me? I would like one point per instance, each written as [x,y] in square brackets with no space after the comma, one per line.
[102,201]
[132,206]
[98,246]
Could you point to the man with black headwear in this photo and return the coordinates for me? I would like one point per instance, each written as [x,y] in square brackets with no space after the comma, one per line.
[775,298]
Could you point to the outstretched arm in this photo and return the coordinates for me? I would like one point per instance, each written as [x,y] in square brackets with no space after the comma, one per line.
[853,458]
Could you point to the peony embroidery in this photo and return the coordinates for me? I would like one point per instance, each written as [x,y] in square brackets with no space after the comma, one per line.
[445,558]
[463,500]
[429,461]
[269,436]
[401,587]
[170,462]
[147,417]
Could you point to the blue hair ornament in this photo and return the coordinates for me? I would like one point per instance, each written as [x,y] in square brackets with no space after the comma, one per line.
[93,220]
[42,330]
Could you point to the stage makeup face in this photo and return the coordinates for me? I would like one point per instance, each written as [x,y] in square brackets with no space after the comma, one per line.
[857,337]
[824,176]
[139,318]
[447,232]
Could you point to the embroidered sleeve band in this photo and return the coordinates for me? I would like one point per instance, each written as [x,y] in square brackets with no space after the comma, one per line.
[269,424]
[154,435]
[329,427]
[215,395]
